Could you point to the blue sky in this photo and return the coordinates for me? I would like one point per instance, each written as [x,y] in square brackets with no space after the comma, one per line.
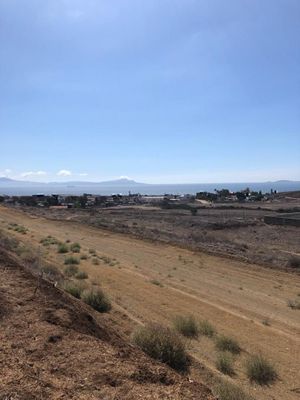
[162,91]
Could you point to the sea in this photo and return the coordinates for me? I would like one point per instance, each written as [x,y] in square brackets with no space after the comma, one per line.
[149,189]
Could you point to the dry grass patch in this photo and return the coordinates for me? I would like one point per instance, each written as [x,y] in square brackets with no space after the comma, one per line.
[163,344]
[75,247]
[228,391]
[205,328]
[97,299]
[260,370]
[186,325]
[71,270]
[225,343]
[224,363]
[81,275]
[62,248]
[72,260]
[73,289]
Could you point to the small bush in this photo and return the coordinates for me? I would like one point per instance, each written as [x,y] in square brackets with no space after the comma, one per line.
[62,248]
[228,391]
[95,261]
[52,271]
[71,260]
[97,299]
[205,328]
[92,251]
[83,257]
[47,241]
[71,270]
[75,247]
[225,343]
[156,282]
[260,370]
[81,275]
[224,363]
[294,262]
[73,289]
[294,304]
[186,325]
[162,344]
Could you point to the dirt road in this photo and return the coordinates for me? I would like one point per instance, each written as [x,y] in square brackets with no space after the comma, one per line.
[155,282]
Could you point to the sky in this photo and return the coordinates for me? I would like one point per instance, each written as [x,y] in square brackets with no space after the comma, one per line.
[160,91]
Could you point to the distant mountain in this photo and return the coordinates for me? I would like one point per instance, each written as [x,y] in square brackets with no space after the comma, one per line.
[117,182]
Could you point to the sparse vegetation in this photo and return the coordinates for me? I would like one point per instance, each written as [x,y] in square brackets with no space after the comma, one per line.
[73,289]
[83,257]
[228,391]
[62,248]
[260,370]
[205,328]
[186,325]
[95,261]
[97,299]
[49,240]
[72,260]
[18,228]
[81,275]
[75,247]
[156,282]
[224,363]
[225,343]
[162,344]
[92,251]
[51,271]
[71,270]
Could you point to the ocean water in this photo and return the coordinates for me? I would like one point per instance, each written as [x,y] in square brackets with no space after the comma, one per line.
[280,186]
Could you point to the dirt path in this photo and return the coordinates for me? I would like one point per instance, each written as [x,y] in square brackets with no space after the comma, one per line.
[236,297]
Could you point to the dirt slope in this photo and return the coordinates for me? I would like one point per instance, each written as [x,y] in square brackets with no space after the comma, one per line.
[54,347]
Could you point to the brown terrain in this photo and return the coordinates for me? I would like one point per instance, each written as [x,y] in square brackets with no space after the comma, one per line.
[149,280]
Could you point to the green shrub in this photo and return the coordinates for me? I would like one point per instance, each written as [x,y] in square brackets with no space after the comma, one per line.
[62,248]
[73,289]
[225,343]
[228,391]
[224,363]
[260,370]
[97,299]
[162,344]
[71,260]
[75,247]
[205,328]
[71,270]
[81,275]
[186,325]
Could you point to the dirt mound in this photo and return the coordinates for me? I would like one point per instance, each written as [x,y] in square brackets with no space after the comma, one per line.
[54,347]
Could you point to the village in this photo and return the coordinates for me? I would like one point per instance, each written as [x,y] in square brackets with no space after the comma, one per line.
[131,199]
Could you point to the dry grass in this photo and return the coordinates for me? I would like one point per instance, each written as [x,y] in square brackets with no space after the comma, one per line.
[228,391]
[224,363]
[162,344]
[225,343]
[97,299]
[186,325]
[205,328]
[260,370]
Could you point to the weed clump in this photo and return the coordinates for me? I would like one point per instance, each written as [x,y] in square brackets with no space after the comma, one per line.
[81,275]
[228,391]
[162,344]
[294,304]
[71,260]
[260,370]
[225,343]
[205,328]
[73,289]
[75,247]
[224,363]
[97,299]
[186,325]
[62,248]
[71,270]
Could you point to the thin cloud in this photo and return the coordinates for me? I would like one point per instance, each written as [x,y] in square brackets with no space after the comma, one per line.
[33,173]
[83,174]
[64,172]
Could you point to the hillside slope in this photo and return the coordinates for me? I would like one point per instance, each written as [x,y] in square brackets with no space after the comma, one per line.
[55,347]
